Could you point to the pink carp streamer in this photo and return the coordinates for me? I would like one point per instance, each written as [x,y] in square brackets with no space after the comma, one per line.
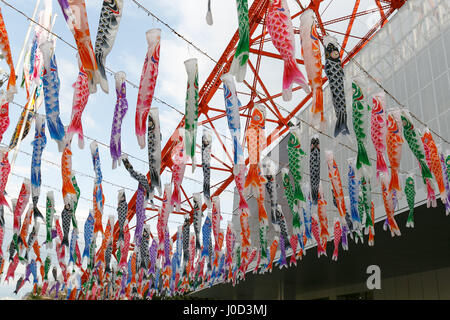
[279,25]
[147,84]
[80,99]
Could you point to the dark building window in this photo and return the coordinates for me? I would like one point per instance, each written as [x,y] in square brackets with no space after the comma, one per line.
[368,295]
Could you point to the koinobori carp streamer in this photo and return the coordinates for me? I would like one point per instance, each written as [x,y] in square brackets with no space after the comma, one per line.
[147,84]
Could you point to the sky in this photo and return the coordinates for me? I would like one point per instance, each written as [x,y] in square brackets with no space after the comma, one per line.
[128,54]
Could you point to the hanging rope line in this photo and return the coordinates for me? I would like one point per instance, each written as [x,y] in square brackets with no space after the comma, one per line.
[140,6]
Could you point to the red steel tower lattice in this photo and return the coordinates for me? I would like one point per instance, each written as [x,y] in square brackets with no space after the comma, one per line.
[258,91]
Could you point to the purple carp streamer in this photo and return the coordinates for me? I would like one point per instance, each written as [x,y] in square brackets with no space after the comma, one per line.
[115,145]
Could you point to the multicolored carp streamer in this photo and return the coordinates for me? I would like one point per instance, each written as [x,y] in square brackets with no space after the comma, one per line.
[22,241]
[244,213]
[140,213]
[445,175]
[147,84]
[353,191]
[51,86]
[68,190]
[206,234]
[139,177]
[122,213]
[49,216]
[394,142]
[163,217]
[288,190]
[313,61]
[19,206]
[2,235]
[108,25]
[388,205]
[337,238]
[269,170]
[410,193]
[66,216]
[359,112]
[307,212]
[80,99]
[38,143]
[378,131]
[238,67]
[154,151]
[115,145]
[4,117]
[289,194]
[283,229]
[179,160]
[256,143]
[273,251]
[23,124]
[206,166]
[323,217]
[279,26]
[314,168]
[335,178]
[6,53]
[191,111]
[88,234]
[295,155]
[412,138]
[75,13]
[98,197]
[197,218]
[316,232]
[335,74]
[433,161]
[75,204]
[447,165]
[232,105]
[366,200]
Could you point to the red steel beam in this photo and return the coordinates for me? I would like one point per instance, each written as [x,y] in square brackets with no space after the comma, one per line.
[349,27]
[272,55]
[382,15]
